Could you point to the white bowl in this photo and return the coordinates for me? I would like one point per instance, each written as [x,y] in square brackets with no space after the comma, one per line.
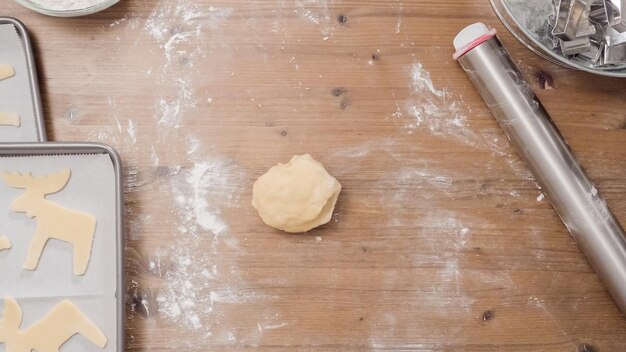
[98,6]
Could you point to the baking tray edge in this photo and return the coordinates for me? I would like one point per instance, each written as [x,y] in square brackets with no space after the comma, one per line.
[69,148]
[40,125]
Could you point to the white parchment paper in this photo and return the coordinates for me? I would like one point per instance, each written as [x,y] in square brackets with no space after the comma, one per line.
[91,189]
[15,92]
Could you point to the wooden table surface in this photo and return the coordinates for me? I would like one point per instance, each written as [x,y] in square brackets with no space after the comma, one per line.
[441,239]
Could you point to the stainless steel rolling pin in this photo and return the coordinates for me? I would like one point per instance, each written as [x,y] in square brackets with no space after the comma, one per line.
[537,140]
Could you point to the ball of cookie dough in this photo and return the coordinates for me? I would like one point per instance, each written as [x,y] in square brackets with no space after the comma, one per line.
[297,196]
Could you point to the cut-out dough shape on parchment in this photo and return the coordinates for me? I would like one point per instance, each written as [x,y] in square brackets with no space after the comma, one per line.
[10,119]
[53,220]
[48,334]
[4,243]
[6,71]
[7,118]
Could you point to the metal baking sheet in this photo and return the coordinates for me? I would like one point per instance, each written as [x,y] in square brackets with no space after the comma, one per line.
[20,94]
[94,187]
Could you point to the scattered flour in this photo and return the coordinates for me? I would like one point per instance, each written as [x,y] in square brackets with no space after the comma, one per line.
[204,178]
[442,113]
[272,326]
[316,12]
[424,175]
[169,114]
[421,81]
[437,110]
[180,302]
[399,11]
[118,22]
[192,145]
[196,284]
[114,133]
[72,113]
[198,266]
[154,157]
[210,183]
[176,39]
[132,133]
[353,152]
[181,47]
[536,302]
[191,19]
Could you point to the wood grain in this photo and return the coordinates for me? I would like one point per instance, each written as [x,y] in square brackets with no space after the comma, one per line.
[439,242]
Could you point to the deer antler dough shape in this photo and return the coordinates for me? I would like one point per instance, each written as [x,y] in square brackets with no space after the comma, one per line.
[4,243]
[6,71]
[8,119]
[48,334]
[53,220]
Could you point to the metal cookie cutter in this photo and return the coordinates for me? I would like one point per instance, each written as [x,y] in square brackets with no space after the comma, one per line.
[615,49]
[615,15]
[590,30]
[570,14]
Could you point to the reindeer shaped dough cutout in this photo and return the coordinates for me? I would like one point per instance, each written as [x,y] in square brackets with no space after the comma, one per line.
[53,220]
[9,119]
[4,243]
[6,71]
[48,334]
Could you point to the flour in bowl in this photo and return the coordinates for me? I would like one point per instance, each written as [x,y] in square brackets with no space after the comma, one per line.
[67,5]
